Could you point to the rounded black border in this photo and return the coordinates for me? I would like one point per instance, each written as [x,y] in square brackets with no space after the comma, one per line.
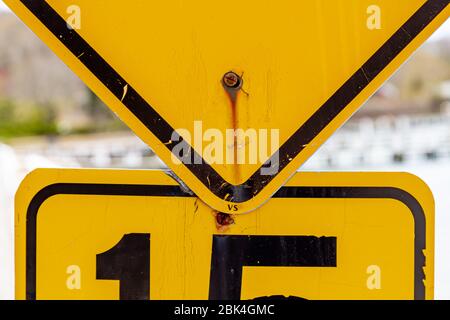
[175,191]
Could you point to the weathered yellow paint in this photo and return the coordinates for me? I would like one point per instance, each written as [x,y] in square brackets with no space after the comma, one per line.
[293,55]
[73,229]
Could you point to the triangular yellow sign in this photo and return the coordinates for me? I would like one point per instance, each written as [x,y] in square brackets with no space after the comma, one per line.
[233,96]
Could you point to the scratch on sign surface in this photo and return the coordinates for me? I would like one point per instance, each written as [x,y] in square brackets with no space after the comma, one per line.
[125,90]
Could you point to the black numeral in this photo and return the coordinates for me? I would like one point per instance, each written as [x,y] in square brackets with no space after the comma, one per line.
[231,253]
[129,262]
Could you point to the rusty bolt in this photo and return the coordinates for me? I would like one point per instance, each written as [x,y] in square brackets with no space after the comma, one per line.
[232,80]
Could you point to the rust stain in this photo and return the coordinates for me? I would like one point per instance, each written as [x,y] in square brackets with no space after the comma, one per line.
[232,92]
[234,122]
[223,221]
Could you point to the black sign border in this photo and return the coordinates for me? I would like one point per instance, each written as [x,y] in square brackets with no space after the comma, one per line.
[175,191]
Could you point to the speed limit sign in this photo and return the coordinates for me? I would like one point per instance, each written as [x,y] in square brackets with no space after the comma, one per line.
[105,234]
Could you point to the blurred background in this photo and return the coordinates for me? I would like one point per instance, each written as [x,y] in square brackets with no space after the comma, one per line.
[49,118]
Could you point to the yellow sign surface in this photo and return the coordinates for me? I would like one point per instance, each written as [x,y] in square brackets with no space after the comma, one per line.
[99,234]
[233,96]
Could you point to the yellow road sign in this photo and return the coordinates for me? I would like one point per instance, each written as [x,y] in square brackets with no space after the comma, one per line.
[99,234]
[233,96]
